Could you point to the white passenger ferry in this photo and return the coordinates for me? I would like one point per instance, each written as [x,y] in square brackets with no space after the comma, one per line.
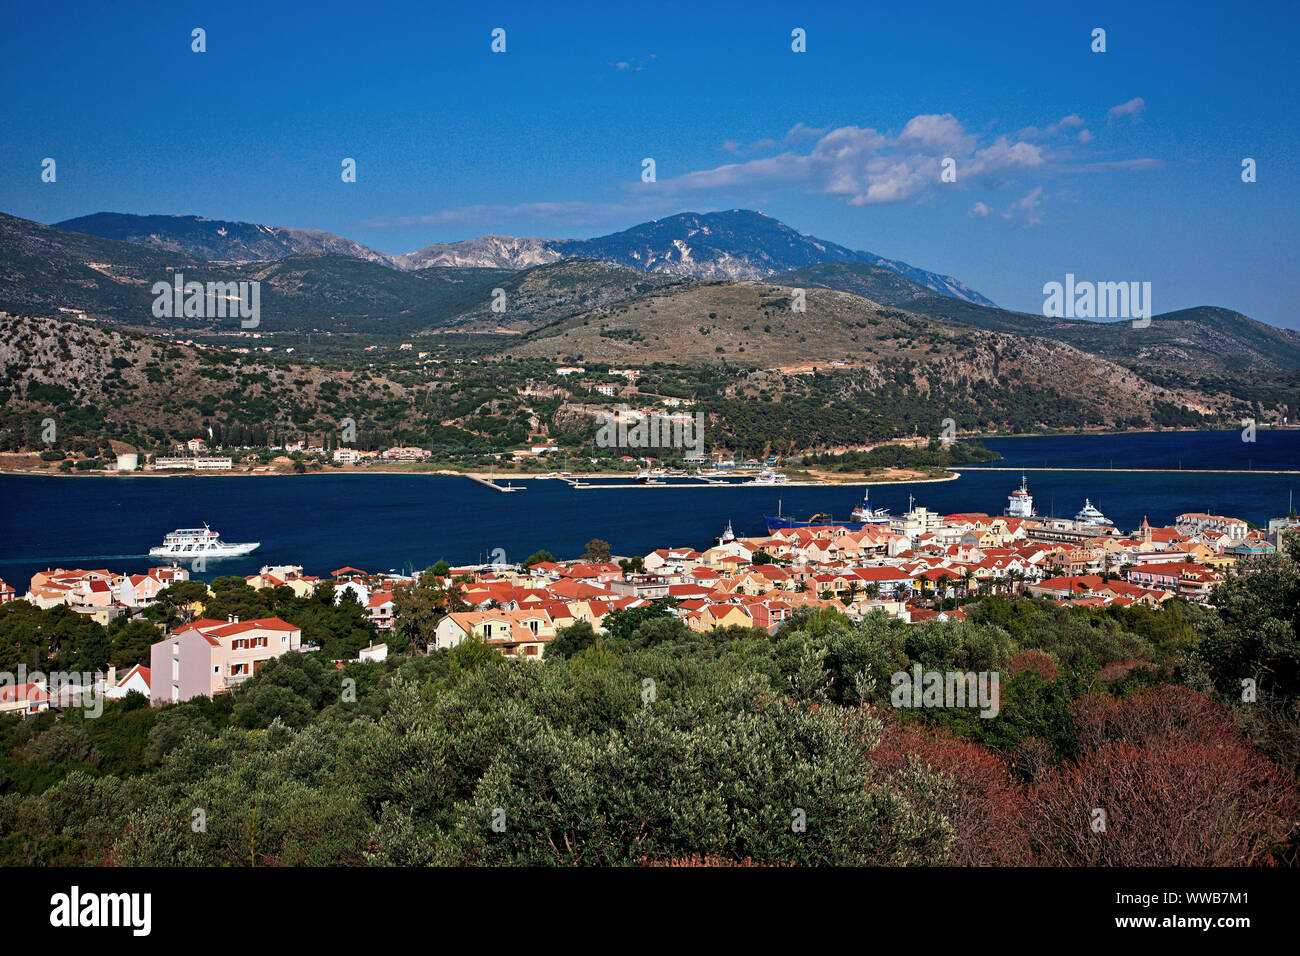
[768,477]
[192,542]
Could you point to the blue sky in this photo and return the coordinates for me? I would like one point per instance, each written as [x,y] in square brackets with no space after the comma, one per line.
[1123,165]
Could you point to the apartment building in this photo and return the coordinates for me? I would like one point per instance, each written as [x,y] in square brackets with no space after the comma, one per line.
[209,657]
[516,633]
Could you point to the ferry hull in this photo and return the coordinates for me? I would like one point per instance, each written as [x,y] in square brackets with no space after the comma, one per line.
[227,551]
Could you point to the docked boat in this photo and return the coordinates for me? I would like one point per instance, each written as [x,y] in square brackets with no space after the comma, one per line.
[865,514]
[193,542]
[1020,503]
[1090,515]
[768,477]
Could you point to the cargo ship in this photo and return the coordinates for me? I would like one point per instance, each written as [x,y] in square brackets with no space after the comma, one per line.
[863,516]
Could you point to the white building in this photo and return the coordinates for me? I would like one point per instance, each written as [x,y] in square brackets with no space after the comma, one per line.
[136,679]
[375,652]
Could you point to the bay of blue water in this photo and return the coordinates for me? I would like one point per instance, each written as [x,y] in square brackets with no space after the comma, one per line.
[380,522]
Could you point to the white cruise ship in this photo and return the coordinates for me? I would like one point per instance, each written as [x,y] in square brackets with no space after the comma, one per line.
[192,542]
[1090,515]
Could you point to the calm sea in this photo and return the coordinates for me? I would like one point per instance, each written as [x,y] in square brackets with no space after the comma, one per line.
[386,521]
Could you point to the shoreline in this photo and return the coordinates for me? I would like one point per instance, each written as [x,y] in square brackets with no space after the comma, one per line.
[675,482]
[857,479]
[485,476]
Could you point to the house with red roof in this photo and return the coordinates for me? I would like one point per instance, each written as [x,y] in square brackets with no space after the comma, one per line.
[1062,588]
[595,573]
[23,699]
[514,633]
[140,590]
[208,657]
[1159,576]
[712,616]
[663,560]
[1183,578]
[918,614]
[578,590]
[135,679]
[379,607]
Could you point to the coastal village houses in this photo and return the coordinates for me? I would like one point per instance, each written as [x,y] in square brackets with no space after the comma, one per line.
[901,569]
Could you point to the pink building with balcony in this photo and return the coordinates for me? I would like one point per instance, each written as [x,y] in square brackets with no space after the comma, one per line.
[209,657]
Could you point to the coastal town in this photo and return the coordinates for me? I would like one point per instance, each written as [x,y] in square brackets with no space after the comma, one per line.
[914,567]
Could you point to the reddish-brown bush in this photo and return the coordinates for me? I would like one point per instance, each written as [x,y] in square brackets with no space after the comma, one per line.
[1117,669]
[987,831]
[1167,802]
[1178,784]
[1040,662]
[1150,714]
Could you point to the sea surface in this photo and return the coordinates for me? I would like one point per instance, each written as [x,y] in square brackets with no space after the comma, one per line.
[381,522]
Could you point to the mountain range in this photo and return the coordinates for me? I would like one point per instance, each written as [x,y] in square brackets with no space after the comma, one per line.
[598,297]
[738,244]
[647,297]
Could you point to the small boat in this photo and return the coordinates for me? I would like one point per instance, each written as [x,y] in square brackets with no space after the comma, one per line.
[196,542]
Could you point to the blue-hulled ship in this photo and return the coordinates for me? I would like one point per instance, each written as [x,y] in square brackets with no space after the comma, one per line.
[863,516]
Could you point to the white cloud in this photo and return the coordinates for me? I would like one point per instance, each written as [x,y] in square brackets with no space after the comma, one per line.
[566,213]
[864,166]
[799,133]
[1027,210]
[1134,107]
[937,132]
[1073,121]
[859,165]
[1145,162]
[637,65]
